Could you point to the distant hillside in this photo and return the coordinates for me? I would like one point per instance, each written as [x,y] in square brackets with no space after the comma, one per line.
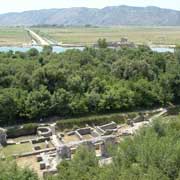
[116,15]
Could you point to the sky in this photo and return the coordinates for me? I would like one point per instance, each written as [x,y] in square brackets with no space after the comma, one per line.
[23,5]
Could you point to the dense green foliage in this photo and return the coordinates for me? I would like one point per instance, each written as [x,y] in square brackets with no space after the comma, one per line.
[36,85]
[102,43]
[95,120]
[153,154]
[25,130]
[82,167]
[9,170]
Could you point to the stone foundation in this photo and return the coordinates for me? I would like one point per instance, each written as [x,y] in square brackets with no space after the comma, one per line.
[3,137]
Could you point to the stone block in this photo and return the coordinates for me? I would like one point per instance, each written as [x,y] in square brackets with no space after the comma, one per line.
[42,165]
[36,148]
[39,158]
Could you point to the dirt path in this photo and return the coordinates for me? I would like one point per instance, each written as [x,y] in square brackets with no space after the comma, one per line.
[130,130]
[163,111]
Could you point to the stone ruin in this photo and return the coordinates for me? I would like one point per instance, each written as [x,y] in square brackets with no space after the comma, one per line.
[49,161]
[140,118]
[64,151]
[44,131]
[106,129]
[3,137]
[102,137]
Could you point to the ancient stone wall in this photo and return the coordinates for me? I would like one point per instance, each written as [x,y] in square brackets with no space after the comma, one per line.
[111,125]
[3,137]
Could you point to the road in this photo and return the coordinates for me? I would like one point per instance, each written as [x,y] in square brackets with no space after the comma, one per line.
[38,38]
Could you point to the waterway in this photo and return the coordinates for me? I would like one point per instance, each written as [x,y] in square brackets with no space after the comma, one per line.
[59,49]
[56,49]
[161,50]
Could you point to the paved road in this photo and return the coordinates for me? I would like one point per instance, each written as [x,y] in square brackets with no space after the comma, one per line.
[38,38]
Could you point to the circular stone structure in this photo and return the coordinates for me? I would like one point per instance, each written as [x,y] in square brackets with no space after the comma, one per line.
[3,136]
[44,131]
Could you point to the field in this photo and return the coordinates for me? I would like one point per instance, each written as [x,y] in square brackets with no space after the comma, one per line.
[13,36]
[16,149]
[31,163]
[82,35]
[86,36]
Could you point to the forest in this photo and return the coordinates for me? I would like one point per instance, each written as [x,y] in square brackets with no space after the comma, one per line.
[36,85]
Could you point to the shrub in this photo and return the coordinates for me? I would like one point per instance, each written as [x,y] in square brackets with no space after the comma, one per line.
[27,129]
[94,120]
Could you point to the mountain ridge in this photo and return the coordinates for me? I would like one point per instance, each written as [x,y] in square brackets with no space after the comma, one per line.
[107,16]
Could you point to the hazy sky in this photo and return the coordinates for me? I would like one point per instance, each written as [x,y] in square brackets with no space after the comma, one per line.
[23,5]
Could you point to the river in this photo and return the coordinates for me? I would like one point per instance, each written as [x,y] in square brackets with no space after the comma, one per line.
[160,49]
[59,49]
[56,49]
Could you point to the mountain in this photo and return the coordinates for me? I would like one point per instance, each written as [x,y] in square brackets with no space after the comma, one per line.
[108,16]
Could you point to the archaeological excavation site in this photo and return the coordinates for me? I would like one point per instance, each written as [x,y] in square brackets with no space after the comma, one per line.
[45,146]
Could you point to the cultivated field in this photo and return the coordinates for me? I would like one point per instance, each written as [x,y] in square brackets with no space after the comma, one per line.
[13,36]
[82,35]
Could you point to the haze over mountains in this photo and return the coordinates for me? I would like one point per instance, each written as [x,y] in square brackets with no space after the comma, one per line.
[108,16]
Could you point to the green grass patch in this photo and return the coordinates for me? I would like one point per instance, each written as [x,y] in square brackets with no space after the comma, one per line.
[16,149]
[43,145]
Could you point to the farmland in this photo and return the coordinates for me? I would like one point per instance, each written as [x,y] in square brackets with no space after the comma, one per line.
[18,36]
[13,36]
[90,35]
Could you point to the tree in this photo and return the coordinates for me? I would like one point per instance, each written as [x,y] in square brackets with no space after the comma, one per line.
[177,53]
[166,90]
[146,93]
[84,166]
[11,105]
[102,43]
[38,103]
[47,50]
[93,100]
[33,52]
[93,80]
[61,102]
[10,170]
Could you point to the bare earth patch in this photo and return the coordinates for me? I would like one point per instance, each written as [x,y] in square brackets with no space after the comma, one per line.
[29,162]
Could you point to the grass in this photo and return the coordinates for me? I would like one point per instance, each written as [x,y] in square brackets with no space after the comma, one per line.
[16,149]
[13,36]
[23,138]
[82,35]
[31,163]
[71,138]
[17,36]
[43,145]
[87,136]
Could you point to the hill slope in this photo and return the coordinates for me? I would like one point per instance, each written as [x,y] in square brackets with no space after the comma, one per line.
[115,15]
